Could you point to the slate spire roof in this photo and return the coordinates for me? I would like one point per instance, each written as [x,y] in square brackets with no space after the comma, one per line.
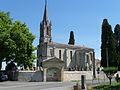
[45,17]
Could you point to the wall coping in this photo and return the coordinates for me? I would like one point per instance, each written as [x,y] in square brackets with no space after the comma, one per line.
[27,71]
[79,72]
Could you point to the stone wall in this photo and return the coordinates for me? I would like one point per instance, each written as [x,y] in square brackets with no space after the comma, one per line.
[37,76]
[30,76]
[76,75]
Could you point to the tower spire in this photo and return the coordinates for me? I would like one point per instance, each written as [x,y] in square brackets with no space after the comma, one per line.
[45,17]
[45,27]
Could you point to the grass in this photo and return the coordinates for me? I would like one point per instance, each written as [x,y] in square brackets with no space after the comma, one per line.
[114,86]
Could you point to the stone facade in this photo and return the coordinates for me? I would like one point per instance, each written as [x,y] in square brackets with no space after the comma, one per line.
[74,57]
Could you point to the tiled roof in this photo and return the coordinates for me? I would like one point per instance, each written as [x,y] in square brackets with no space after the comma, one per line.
[77,47]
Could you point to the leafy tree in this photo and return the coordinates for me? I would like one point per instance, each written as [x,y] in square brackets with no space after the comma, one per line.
[15,42]
[108,44]
[110,71]
[71,39]
[5,26]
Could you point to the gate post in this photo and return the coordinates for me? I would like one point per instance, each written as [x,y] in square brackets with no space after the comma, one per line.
[62,74]
[82,81]
[44,74]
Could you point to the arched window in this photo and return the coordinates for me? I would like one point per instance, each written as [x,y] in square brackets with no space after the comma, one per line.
[71,55]
[47,31]
[60,54]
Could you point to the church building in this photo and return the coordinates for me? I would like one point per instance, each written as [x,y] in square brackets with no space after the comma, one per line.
[54,58]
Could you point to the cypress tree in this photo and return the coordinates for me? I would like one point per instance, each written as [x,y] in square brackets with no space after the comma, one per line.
[117,37]
[112,50]
[71,39]
[108,44]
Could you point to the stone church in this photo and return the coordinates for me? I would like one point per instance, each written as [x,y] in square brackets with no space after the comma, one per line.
[54,58]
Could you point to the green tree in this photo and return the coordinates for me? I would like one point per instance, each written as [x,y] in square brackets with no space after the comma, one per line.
[117,37]
[108,46]
[5,26]
[15,42]
[71,39]
[110,71]
[23,44]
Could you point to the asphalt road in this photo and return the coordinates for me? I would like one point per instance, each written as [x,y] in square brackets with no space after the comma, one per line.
[35,85]
[16,85]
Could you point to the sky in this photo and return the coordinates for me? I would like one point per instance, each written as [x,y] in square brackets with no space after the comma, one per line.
[83,17]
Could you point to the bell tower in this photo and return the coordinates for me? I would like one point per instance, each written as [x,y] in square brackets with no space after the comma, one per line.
[45,37]
[45,27]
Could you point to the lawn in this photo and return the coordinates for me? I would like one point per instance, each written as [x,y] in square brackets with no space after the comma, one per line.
[113,86]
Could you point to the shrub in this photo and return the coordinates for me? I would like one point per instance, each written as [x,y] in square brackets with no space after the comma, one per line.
[110,71]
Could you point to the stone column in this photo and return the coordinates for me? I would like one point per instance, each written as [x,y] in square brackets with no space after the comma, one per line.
[44,74]
[85,62]
[66,57]
[62,74]
[76,65]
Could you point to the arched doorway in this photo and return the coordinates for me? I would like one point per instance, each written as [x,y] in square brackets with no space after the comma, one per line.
[53,74]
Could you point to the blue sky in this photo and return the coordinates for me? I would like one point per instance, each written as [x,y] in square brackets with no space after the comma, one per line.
[84,17]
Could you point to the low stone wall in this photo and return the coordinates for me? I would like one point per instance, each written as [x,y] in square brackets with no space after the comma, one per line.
[76,75]
[35,76]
